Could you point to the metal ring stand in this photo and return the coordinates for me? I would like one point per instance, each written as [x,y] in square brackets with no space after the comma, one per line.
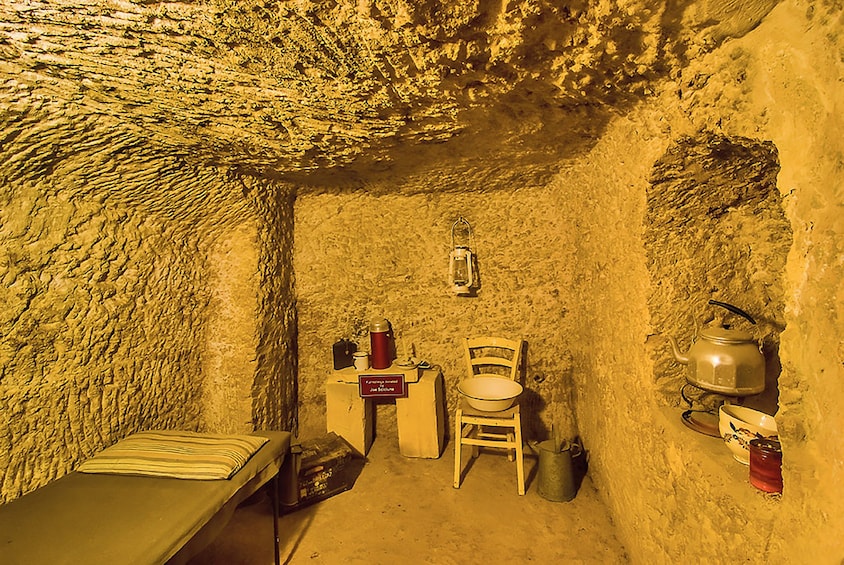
[701,421]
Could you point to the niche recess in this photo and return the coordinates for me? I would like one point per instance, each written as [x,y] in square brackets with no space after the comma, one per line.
[716,229]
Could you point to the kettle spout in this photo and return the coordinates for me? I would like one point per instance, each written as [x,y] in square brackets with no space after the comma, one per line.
[681,358]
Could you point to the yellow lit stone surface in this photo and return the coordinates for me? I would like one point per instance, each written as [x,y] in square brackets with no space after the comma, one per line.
[198,199]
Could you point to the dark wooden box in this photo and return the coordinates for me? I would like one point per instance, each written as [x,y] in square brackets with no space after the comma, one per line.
[324,468]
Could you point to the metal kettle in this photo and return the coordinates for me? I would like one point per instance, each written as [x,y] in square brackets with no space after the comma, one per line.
[724,360]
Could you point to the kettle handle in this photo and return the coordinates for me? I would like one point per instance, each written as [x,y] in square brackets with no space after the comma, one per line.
[734,310]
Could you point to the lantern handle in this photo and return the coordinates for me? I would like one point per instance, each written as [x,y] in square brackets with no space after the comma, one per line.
[461,220]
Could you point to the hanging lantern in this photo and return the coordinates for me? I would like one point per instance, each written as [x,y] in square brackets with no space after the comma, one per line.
[461,263]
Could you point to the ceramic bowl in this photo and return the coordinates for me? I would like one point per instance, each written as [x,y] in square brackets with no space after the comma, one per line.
[490,394]
[739,424]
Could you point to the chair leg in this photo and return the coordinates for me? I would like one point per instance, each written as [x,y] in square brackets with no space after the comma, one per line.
[511,453]
[458,445]
[520,460]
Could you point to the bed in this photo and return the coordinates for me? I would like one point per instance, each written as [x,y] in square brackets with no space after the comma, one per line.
[113,519]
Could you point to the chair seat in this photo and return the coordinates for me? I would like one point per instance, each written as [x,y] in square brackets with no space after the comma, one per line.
[472,415]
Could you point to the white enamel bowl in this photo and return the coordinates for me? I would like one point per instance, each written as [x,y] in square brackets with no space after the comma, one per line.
[739,424]
[489,394]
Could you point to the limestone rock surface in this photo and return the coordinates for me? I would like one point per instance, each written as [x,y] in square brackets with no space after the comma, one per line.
[198,198]
[299,88]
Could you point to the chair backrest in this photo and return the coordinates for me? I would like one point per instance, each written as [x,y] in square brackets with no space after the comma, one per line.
[493,356]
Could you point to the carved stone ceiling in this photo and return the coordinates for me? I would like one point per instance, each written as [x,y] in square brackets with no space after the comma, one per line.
[329,90]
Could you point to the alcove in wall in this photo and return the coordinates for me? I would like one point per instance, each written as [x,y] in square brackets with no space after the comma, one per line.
[716,229]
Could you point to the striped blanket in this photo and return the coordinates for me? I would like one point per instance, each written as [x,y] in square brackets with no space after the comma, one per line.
[176,454]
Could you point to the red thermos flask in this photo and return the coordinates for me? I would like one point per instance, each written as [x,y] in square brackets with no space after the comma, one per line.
[380,351]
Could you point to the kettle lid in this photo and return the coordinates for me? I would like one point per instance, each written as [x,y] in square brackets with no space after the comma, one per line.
[725,336]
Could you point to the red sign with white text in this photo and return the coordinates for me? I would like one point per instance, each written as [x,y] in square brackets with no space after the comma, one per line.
[382,386]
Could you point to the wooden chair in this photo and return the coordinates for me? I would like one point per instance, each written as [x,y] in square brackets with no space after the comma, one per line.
[490,357]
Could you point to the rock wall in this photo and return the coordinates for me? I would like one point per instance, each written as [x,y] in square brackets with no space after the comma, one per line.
[617,409]
[360,256]
[97,253]
[676,494]
[796,101]
[682,492]
[86,281]
[274,388]
[230,361]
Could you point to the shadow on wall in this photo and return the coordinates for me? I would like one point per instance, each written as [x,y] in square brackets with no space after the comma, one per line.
[544,393]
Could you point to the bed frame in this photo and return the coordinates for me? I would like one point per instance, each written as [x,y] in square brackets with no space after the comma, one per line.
[121,519]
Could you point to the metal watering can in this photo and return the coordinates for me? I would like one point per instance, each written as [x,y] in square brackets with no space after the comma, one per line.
[556,477]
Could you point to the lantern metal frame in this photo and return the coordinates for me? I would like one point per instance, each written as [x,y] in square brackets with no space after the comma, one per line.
[462,269]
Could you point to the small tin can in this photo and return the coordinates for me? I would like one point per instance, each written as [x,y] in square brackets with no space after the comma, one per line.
[361,360]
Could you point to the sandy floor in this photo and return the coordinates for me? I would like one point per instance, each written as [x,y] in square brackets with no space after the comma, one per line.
[406,509]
